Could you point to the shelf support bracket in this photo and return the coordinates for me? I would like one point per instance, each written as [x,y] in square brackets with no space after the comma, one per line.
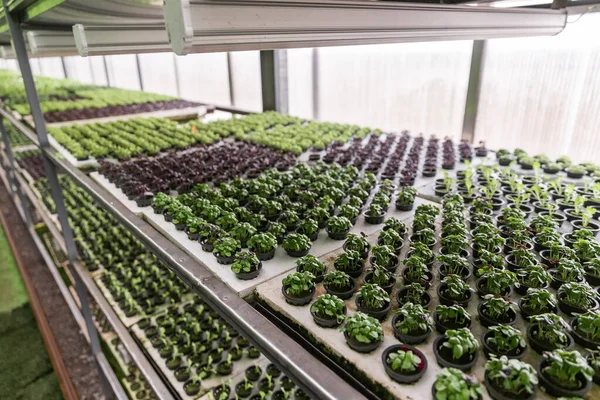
[51,172]
[473,90]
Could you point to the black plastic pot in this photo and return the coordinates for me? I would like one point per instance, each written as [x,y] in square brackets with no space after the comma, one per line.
[393,265]
[448,301]
[297,254]
[557,283]
[344,295]
[480,283]
[499,394]
[465,273]
[517,354]
[225,260]
[326,322]
[426,282]
[580,339]
[266,256]
[486,321]
[596,377]
[526,314]
[298,301]
[193,236]
[593,280]
[208,247]
[574,175]
[190,389]
[444,356]
[245,276]
[442,327]
[522,289]
[241,392]
[570,310]
[373,219]
[556,390]
[425,300]
[337,235]
[377,314]
[387,287]
[401,378]
[407,338]
[404,207]
[361,347]
[540,347]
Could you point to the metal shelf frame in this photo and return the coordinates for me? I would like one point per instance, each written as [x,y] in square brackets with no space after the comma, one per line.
[310,374]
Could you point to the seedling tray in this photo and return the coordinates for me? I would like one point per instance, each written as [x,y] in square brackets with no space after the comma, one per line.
[275,267]
[368,368]
[237,373]
[117,193]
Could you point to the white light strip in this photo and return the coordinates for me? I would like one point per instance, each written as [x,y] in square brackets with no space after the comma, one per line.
[107,40]
[43,43]
[197,26]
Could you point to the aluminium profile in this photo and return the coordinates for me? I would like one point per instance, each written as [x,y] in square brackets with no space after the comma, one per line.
[197,26]
[50,43]
[109,40]
[7,52]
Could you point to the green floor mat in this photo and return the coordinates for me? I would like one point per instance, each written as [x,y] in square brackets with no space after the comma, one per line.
[12,290]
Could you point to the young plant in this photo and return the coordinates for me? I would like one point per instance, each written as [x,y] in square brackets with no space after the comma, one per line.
[391,238]
[338,281]
[243,231]
[413,319]
[348,261]
[453,384]
[512,377]
[460,342]
[416,269]
[396,225]
[226,247]
[245,262]
[454,244]
[534,276]
[296,242]
[383,255]
[578,295]
[454,264]
[456,288]
[523,257]
[338,224]
[299,284]
[588,324]
[498,281]
[569,270]
[538,301]
[363,329]
[380,276]
[565,368]
[311,264]
[403,361]
[356,242]
[373,297]
[262,243]
[550,328]
[405,197]
[329,307]
[455,315]
[414,293]
[496,308]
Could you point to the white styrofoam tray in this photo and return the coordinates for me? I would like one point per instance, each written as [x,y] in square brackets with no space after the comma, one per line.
[117,193]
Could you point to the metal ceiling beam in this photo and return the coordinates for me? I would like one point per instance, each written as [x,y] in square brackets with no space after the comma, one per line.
[197,26]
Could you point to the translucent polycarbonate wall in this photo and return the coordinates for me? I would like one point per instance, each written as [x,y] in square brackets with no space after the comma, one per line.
[543,94]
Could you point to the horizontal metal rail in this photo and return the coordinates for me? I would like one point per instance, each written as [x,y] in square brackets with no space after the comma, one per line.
[310,374]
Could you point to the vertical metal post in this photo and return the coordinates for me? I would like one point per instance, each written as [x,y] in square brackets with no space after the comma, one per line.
[139,72]
[315,82]
[108,83]
[273,76]
[230,80]
[64,67]
[176,67]
[472,102]
[51,173]
[11,171]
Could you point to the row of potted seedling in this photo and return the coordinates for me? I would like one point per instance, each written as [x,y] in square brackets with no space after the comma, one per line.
[545,163]
[278,209]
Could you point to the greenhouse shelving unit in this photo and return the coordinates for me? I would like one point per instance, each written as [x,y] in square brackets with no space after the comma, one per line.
[289,24]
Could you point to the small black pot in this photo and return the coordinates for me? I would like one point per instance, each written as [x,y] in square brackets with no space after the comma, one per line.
[522,289]
[486,321]
[245,276]
[398,377]
[387,287]
[326,322]
[449,302]
[187,387]
[208,247]
[574,175]
[298,301]
[337,235]
[377,314]
[389,268]
[241,392]
[517,354]
[356,272]
[581,339]
[224,260]
[407,338]
[558,391]
[467,362]
[596,377]
[297,254]
[361,347]
[373,219]
[345,295]
[540,347]
[557,283]
[465,273]
[442,327]
[426,282]
[425,300]
[266,256]
[526,314]
[404,207]
[480,283]
[193,236]
[593,280]
[570,310]
[499,394]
